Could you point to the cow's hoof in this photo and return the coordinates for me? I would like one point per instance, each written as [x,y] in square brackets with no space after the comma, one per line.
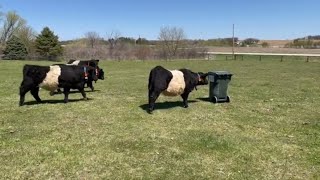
[185,106]
[51,93]
[150,111]
[85,98]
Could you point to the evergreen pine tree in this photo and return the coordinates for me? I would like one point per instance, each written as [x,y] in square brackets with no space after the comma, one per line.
[15,49]
[47,44]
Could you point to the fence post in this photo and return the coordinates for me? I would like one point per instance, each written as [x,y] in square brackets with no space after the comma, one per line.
[307,59]
[281,59]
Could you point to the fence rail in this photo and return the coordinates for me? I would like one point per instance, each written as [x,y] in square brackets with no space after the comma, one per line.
[236,54]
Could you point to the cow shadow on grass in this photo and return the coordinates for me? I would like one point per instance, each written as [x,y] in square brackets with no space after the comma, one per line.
[165,105]
[55,101]
[204,99]
[77,91]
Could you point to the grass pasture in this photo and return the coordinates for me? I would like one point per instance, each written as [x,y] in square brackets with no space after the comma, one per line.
[270,130]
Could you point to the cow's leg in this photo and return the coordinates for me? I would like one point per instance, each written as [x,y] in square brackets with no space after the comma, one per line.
[35,93]
[153,96]
[80,87]
[89,84]
[66,91]
[24,88]
[23,92]
[185,99]
[83,93]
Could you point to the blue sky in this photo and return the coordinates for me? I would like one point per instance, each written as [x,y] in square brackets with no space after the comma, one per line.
[200,19]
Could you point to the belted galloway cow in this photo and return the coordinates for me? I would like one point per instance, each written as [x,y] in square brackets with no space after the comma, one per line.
[54,77]
[173,83]
[93,63]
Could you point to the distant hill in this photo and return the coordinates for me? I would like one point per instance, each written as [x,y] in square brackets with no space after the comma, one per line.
[276,43]
[316,37]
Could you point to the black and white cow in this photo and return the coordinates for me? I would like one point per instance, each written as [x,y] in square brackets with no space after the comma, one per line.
[173,83]
[54,77]
[93,63]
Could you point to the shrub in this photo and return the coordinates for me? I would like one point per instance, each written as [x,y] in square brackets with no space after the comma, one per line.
[15,49]
[265,44]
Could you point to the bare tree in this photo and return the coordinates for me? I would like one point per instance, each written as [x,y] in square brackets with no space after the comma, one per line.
[92,38]
[113,38]
[27,36]
[171,39]
[12,23]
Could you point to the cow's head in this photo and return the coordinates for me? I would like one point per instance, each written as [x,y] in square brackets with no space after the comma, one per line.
[90,73]
[202,78]
[100,73]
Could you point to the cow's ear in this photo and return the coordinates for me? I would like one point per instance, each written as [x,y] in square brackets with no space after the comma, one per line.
[203,75]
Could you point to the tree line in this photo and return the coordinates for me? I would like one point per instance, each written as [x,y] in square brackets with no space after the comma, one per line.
[308,42]
[19,41]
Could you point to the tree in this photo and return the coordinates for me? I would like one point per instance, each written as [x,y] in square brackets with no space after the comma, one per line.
[113,38]
[12,23]
[171,40]
[127,40]
[27,36]
[250,41]
[265,44]
[92,38]
[142,41]
[15,49]
[47,44]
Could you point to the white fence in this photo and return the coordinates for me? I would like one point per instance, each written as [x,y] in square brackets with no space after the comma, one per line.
[281,55]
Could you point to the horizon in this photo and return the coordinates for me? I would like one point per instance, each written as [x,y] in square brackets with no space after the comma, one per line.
[105,39]
[203,19]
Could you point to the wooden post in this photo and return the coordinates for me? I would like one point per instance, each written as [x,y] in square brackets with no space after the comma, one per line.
[260,58]
[281,59]
[233,41]
[307,59]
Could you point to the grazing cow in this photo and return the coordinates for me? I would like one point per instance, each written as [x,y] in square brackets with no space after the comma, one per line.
[53,77]
[173,83]
[93,63]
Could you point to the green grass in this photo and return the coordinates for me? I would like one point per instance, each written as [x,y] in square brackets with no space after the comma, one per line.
[270,130]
